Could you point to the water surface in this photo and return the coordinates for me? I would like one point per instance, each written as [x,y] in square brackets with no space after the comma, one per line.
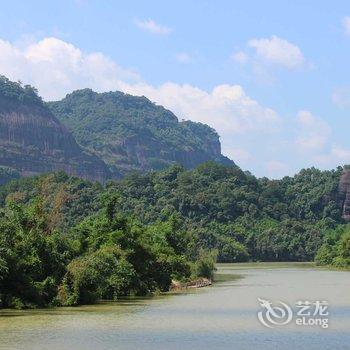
[223,316]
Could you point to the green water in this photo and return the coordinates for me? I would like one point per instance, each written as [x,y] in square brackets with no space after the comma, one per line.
[223,316]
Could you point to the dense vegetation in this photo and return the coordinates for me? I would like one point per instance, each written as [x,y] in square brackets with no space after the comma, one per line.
[7,174]
[66,241]
[117,133]
[132,133]
[335,250]
[63,243]
[244,217]
[14,92]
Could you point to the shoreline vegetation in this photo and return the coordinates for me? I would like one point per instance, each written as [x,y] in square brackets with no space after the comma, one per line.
[177,286]
[65,241]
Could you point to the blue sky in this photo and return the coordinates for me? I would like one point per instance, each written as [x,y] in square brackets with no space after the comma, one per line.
[271,76]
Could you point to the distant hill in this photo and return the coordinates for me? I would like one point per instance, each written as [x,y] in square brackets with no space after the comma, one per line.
[95,136]
[33,141]
[132,133]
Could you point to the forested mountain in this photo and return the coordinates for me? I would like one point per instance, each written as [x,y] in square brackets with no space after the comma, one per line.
[132,133]
[33,141]
[95,136]
[68,241]
[65,240]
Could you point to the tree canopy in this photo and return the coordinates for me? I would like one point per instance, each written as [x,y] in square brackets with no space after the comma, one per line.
[17,93]
[66,241]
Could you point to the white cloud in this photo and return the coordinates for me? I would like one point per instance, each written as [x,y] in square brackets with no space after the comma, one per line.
[183,57]
[341,153]
[336,155]
[56,68]
[316,143]
[226,108]
[151,26]
[346,25]
[240,57]
[246,127]
[341,97]
[313,132]
[278,51]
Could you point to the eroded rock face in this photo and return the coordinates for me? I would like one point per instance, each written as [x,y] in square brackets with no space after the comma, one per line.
[132,133]
[344,194]
[33,141]
[97,136]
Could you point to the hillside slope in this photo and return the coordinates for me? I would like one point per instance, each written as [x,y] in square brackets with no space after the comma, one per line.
[33,141]
[132,133]
[213,205]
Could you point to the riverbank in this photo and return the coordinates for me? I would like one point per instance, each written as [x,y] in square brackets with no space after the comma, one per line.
[198,283]
[223,316]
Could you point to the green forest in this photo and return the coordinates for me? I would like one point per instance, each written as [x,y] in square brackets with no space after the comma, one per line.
[132,133]
[67,241]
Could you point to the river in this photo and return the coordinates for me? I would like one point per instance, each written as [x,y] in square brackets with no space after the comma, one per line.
[223,316]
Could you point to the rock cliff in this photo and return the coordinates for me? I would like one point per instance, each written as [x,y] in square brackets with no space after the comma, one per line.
[96,136]
[33,141]
[132,133]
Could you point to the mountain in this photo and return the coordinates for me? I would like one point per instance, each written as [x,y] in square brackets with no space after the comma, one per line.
[33,141]
[132,133]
